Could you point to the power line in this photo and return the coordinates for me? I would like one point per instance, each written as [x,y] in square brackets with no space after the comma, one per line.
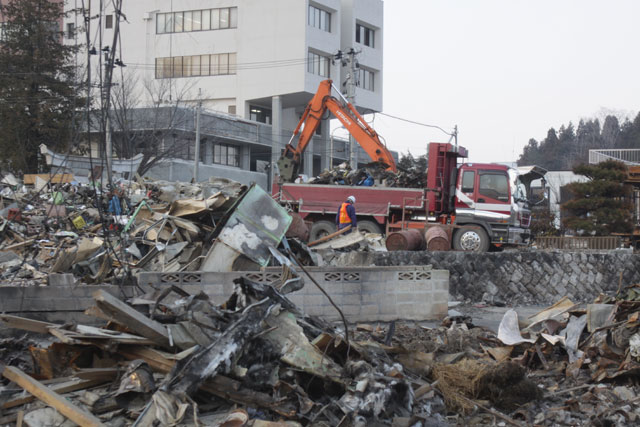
[419,124]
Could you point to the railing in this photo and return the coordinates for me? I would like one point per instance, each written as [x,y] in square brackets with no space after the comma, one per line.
[579,243]
[629,156]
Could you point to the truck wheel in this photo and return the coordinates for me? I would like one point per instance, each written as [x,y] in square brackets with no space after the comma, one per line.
[369,227]
[319,229]
[471,239]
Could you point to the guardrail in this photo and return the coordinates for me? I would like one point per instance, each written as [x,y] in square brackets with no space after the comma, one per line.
[578,243]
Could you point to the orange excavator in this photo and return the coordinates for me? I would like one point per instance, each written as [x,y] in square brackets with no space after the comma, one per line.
[368,139]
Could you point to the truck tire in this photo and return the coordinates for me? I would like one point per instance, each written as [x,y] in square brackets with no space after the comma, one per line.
[369,227]
[471,239]
[320,229]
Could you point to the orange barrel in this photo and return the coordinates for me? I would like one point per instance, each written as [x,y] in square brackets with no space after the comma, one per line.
[437,239]
[405,240]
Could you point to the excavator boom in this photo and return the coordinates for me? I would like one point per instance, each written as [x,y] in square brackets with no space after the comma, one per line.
[322,101]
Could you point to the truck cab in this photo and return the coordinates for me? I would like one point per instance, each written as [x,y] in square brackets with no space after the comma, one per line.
[494,198]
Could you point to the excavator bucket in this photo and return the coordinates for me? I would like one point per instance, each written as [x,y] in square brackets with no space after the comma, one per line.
[287,168]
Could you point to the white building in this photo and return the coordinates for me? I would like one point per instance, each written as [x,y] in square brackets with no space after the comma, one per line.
[260,60]
[554,182]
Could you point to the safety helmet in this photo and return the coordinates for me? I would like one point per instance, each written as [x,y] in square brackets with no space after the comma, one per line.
[351,199]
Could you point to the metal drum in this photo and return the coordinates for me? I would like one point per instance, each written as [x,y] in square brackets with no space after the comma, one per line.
[405,240]
[437,239]
[298,228]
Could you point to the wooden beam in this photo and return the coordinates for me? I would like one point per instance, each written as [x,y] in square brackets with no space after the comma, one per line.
[127,316]
[30,178]
[8,419]
[60,388]
[97,373]
[51,398]
[19,245]
[26,324]
[329,236]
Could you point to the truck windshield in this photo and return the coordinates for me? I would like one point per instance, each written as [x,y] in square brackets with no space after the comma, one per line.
[494,184]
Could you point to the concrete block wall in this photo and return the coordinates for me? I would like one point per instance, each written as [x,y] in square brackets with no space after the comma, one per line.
[56,304]
[518,277]
[363,294]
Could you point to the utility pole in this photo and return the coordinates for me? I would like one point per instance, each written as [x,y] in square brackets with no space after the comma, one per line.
[351,96]
[106,83]
[109,148]
[196,160]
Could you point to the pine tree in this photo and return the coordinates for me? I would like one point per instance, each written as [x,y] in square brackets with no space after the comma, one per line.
[602,205]
[36,83]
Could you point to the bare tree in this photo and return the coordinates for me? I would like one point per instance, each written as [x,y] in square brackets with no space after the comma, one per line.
[149,128]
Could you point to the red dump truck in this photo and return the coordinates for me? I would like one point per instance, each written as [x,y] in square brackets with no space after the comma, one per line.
[467,207]
[475,204]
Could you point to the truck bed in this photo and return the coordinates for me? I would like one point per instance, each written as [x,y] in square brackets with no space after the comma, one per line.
[326,199]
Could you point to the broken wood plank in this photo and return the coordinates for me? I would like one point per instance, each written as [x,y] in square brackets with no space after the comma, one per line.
[51,398]
[329,236]
[74,384]
[65,178]
[8,419]
[97,373]
[132,319]
[19,245]
[26,324]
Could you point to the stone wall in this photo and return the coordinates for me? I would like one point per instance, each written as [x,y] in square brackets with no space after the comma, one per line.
[518,277]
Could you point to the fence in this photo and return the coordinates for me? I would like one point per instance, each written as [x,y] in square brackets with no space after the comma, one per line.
[630,156]
[579,243]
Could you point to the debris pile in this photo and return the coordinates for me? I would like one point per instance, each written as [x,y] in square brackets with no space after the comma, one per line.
[53,224]
[374,174]
[179,359]
[174,358]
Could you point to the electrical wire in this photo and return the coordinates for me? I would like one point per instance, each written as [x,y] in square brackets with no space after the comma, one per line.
[418,123]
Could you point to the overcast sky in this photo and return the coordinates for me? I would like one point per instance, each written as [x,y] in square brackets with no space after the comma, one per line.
[504,71]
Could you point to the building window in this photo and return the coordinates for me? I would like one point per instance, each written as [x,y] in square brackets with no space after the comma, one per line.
[197,20]
[318,64]
[71,30]
[320,19]
[365,35]
[225,154]
[260,114]
[365,79]
[108,21]
[196,65]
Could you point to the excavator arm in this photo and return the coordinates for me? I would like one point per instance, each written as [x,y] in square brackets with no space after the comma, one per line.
[322,101]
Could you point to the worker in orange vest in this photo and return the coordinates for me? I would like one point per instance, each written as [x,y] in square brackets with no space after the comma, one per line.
[346,215]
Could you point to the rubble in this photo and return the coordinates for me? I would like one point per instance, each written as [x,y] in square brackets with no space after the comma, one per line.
[58,225]
[174,358]
[171,356]
[372,175]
